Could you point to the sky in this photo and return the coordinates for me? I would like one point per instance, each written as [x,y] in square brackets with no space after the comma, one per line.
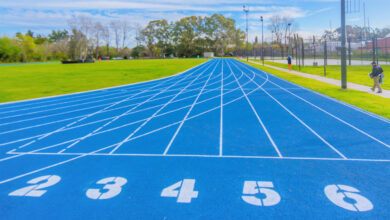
[311,16]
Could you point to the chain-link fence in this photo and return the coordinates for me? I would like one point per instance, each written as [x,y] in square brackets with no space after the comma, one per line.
[313,52]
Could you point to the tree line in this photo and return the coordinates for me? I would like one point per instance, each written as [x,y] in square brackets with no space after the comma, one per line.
[86,38]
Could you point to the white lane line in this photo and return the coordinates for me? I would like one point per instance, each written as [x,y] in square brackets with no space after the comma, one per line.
[328,113]
[128,124]
[61,113]
[213,156]
[101,149]
[221,119]
[188,112]
[81,119]
[130,110]
[145,134]
[303,123]
[51,166]
[257,116]
[154,114]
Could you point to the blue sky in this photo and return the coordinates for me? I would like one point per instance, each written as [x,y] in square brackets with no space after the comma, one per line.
[312,16]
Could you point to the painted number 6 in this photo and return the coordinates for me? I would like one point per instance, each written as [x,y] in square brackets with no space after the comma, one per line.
[337,194]
[112,184]
[251,188]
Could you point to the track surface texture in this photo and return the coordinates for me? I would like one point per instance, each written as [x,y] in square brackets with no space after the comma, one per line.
[223,140]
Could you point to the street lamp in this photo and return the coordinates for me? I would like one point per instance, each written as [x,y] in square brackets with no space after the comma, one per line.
[262,38]
[246,10]
[272,45]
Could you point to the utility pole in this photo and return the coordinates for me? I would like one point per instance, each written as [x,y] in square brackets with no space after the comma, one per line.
[343,49]
[246,10]
[262,39]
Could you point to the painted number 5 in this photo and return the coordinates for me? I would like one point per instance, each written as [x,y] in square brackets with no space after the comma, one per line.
[112,184]
[251,188]
[338,193]
[36,189]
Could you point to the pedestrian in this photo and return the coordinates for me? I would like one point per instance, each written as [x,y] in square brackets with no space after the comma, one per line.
[377,76]
[289,61]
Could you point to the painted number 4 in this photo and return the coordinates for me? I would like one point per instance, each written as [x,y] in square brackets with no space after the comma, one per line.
[186,192]
[251,188]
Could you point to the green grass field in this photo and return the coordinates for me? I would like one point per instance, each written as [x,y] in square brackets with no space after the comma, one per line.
[39,80]
[356,74]
[363,100]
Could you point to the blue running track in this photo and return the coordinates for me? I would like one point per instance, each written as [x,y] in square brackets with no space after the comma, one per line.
[223,140]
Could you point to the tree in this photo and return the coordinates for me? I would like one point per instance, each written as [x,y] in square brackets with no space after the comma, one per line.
[56,36]
[115,27]
[106,37]
[98,32]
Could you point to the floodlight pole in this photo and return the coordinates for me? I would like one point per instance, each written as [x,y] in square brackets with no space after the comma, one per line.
[343,48]
[246,10]
[262,38]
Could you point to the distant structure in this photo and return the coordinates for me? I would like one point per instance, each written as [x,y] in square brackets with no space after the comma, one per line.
[208,54]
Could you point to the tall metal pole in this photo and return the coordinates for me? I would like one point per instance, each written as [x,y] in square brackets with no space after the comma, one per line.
[262,38]
[272,46]
[343,49]
[246,10]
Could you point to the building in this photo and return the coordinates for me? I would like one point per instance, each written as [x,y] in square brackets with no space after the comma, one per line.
[208,54]
[383,44]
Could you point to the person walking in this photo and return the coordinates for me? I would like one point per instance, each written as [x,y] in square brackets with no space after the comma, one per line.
[289,61]
[377,76]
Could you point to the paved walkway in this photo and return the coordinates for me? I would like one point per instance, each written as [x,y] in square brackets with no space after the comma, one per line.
[363,88]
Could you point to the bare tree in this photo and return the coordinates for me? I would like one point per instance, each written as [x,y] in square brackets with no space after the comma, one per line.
[115,27]
[107,37]
[98,32]
[125,32]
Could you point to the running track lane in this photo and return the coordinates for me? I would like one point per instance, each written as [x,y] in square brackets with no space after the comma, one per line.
[222,140]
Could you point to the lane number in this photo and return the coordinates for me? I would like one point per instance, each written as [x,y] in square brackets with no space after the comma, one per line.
[112,184]
[36,189]
[251,188]
[338,193]
[186,192]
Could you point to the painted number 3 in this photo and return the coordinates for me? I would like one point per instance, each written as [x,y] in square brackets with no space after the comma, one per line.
[251,188]
[338,193]
[112,184]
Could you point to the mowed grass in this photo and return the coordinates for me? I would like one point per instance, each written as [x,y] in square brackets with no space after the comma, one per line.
[40,80]
[355,74]
[363,100]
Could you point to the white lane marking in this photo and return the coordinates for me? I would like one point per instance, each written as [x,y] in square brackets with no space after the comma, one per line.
[113,109]
[139,136]
[257,116]
[210,156]
[328,113]
[188,112]
[221,119]
[130,110]
[303,123]
[92,114]
[155,113]
[128,124]
[62,113]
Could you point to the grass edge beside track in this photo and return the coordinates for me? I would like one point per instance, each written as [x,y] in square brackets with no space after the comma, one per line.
[28,82]
[363,100]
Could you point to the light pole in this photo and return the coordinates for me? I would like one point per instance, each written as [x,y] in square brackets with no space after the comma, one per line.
[246,10]
[272,45]
[343,48]
[262,38]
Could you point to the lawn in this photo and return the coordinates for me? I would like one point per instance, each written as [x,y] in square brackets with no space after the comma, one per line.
[363,100]
[39,80]
[355,74]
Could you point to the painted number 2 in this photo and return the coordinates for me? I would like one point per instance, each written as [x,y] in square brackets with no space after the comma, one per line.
[112,184]
[251,188]
[338,193]
[36,189]
[186,192]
